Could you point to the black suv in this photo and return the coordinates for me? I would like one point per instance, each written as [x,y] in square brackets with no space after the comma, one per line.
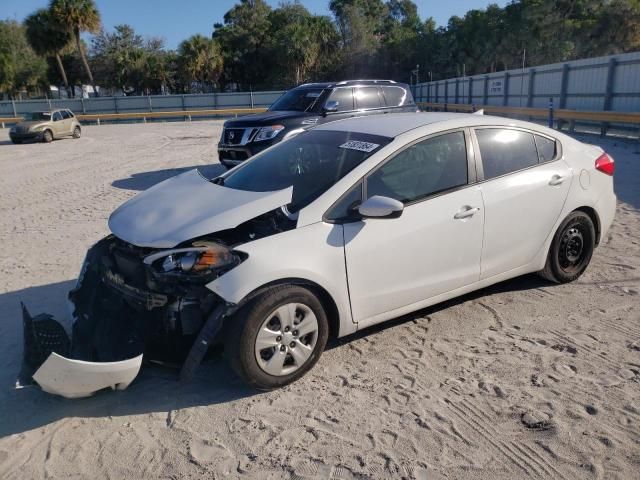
[305,106]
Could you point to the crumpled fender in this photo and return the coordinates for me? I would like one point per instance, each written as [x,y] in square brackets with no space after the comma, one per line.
[76,378]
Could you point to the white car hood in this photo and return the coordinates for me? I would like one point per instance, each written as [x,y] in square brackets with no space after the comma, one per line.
[188,206]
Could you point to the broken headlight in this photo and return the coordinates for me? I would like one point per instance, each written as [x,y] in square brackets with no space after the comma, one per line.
[202,261]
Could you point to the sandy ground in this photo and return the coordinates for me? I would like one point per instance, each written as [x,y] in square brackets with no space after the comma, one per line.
[438,394]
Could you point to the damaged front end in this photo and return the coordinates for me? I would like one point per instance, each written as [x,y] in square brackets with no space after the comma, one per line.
[129,302]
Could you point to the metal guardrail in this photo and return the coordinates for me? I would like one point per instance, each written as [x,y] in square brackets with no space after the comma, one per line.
[185,114]
[558,116]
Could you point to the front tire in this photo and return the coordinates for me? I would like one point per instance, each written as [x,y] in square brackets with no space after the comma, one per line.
[47,136]
[571,249]
[277,337]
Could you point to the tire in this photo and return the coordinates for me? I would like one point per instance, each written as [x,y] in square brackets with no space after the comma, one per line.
[47,136]
[571,249]
[17,142]
[77,132]
[286,354]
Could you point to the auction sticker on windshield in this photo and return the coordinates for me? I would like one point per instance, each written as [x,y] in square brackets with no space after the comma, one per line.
[361,146]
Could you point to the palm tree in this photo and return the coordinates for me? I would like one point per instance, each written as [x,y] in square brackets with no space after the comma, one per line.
[200,59]
[47,40]
[76,16]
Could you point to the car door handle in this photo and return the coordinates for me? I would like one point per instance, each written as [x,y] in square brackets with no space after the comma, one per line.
[466,212]
[556,180]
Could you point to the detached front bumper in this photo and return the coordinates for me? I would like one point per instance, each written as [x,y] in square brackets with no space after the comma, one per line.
[59,375]
[77,379]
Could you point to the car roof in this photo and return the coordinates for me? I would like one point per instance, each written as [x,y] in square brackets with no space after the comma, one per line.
[394,124]
[350,83]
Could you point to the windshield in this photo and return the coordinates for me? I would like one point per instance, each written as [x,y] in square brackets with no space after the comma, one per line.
[297,100]
[40,116]
[310,162]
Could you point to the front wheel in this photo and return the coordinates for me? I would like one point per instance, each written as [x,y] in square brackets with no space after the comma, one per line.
[77,132]
[277,337]
[571,249]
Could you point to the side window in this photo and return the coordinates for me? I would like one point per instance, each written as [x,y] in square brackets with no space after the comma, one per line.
[504,151]
[546,148]
[344,97]
[367,97]
[57,117]
[71,115]
[343,210]
[428,167]
[394,96]
[65,114]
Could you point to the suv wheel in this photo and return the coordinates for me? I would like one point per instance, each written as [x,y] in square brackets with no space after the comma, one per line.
[277,337]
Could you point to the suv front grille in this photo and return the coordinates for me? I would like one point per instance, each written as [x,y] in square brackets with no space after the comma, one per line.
[232,136]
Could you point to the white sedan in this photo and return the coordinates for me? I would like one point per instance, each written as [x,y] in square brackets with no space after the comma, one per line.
[340,228]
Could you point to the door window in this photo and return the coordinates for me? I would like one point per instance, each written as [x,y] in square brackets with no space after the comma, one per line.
[431,166]
[394,96]
[344,97]
[504,151]
[546,148]
[57,117]
[65,114]
[367,97]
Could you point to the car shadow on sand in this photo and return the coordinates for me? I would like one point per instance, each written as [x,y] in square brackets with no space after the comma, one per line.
[156,389]
[143,180]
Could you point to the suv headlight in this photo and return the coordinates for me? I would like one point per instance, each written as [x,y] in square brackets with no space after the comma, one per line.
[203,261]
[267,133]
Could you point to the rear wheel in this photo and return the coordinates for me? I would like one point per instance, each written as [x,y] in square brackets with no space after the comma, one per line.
[77,132]
[277,337]
[571,249]
[47,136]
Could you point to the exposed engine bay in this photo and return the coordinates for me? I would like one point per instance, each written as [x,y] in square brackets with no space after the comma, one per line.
[132,301]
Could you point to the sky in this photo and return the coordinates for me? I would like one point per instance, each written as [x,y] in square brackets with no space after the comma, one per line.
[175,20]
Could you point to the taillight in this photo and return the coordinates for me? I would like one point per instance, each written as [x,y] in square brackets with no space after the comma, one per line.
[605,164]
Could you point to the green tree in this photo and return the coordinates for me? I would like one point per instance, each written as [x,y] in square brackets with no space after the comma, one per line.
[244,39]
[47,39]
[77,16]
[299,43]
[20,67]
[200,59]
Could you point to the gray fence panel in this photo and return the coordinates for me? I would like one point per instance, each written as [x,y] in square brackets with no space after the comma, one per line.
[601,83]
[157,103]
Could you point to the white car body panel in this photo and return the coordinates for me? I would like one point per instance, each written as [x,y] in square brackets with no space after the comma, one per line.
[188,206]
[520,208]
[425,252]
[76,379]
[530,250]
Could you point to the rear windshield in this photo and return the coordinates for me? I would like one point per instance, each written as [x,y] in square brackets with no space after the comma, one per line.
[40,116]
[310,162]
[297,100]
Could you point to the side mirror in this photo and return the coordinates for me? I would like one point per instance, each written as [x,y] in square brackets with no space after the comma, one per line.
[331,106]
[381,207]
